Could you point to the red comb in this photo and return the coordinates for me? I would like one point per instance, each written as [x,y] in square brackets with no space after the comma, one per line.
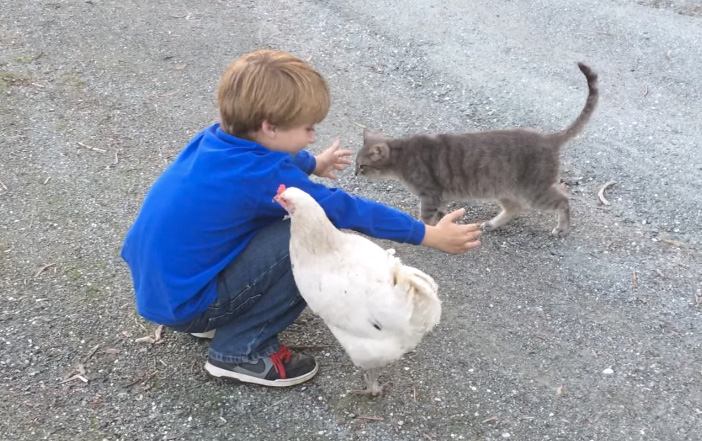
[281,188]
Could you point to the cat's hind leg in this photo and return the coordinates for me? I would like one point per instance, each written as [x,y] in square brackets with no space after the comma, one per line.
[556,200]
[510,209]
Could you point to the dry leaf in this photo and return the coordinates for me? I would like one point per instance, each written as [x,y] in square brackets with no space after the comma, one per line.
[147,339]
[127,334]
[560,390]
[112,351]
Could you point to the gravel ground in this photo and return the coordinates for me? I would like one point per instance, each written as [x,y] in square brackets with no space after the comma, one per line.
[593,337]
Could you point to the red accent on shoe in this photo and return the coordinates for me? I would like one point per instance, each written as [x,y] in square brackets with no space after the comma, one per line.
[280,357]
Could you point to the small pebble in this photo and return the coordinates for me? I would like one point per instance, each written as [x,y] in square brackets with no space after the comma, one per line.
[608,371]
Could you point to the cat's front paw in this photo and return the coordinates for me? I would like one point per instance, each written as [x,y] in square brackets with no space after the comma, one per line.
[431,221]
[488,226]
[560,232]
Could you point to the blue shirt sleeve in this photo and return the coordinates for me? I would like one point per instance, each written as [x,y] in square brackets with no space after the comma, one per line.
[344,210]
[305,161]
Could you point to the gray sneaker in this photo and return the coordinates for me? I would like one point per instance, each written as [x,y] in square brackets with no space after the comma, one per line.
[284,368]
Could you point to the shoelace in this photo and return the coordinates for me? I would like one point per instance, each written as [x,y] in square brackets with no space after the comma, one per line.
[280,357]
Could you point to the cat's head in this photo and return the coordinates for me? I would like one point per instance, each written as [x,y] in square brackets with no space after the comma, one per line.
[373,160]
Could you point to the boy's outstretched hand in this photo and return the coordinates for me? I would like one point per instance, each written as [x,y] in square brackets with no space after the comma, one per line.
[451,237]
[332,159]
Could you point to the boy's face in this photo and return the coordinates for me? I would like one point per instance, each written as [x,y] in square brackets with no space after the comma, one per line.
[293,139]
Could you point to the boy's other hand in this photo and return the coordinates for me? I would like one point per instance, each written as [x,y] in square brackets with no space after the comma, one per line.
[332,159]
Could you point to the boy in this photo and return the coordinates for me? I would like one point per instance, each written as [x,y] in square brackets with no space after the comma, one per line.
[209,247]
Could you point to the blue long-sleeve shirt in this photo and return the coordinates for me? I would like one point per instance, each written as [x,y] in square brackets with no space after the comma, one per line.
[208,205]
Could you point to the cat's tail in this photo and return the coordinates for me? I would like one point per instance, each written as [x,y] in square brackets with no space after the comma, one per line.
[590,104]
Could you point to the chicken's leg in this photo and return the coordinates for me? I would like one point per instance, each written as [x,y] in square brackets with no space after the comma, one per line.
[372,386]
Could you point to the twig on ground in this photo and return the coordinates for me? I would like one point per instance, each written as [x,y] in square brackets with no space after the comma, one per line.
[91,353]
[675,243]
[645,90]
[78,372]
[95,149]
[358,124]
[282,400]
[44,268]
[600,193]
[155,340]
[136,320]
[370,418]
[489,420]
[634,281]
[141,379]
[74,377]
[158,332]
[148,339]
[2,184]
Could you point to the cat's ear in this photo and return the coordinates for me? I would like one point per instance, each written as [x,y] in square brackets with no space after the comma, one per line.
[379,151]
[371,137]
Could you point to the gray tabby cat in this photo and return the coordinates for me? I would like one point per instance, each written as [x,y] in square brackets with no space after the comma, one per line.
[519,167]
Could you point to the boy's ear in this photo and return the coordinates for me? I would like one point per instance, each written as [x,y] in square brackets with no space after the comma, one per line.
[268,129]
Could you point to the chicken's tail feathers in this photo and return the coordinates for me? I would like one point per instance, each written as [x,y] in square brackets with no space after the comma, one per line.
[421,290]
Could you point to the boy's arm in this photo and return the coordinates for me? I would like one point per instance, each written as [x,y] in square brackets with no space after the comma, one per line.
[305,161]
[375,219]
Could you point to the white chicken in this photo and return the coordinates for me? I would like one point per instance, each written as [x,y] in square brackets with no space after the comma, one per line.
[376,307]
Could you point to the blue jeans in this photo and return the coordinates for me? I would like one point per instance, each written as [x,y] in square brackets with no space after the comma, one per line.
[256,299]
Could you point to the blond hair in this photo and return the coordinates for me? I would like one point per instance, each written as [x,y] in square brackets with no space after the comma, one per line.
[273,86]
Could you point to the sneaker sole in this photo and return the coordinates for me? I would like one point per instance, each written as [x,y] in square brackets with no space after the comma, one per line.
[225,374]
[208,335]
